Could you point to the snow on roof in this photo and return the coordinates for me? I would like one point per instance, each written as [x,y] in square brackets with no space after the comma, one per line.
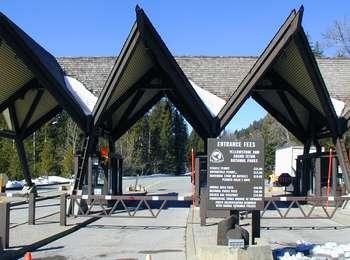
[338,106]
[211,101]
[85,98]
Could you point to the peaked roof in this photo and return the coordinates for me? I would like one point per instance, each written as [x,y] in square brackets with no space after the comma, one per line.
[144,72]
[33,88]
[286,81]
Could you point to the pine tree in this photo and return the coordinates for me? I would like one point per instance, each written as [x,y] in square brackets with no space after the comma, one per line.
[195,142]
[68,163]
[46,163]
[140,156]
[167,163]
[180,136]
[155,126]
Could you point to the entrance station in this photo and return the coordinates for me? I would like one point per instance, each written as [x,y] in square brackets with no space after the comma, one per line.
[285,80]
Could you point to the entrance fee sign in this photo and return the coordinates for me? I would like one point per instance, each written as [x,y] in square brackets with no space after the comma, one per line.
[235,174]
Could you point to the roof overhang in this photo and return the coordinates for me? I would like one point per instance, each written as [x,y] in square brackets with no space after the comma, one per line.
[32,85]
[144,72]
[286,81]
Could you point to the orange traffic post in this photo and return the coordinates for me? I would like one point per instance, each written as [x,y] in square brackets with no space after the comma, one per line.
[28,256]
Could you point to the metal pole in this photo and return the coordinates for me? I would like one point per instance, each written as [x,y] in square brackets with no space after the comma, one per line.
[31,209]
[63,207]
[334,176]
[5,225]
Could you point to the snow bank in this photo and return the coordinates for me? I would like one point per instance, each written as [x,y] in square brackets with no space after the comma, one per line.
[211,101]
[85,98]
[338,106]
[329,250]
[14,185]
[49,180]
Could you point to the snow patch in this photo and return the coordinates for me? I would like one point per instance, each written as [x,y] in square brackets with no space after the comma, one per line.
[211,101]
[338,106]
[85,98]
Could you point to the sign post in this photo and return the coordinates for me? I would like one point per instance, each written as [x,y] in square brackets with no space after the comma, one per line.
[235,175]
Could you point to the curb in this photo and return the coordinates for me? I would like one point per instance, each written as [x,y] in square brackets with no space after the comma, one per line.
[189,238]
[18,253]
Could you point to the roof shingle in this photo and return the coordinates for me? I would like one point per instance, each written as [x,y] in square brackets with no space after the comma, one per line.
[218,74]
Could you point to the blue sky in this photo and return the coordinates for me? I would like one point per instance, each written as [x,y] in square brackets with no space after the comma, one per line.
[235,28]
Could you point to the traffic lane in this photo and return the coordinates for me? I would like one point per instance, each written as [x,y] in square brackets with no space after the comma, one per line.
[180,185]
[125,238]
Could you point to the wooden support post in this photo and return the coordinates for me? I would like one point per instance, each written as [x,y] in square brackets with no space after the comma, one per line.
[255,225]
[63,208]
[120,177]
[114,180]
[5,225]
[297,182]
[318,176]
[235,214]
[31,209]
[305,176]
[343,161]
[203,206]
[90,184]
[24,162]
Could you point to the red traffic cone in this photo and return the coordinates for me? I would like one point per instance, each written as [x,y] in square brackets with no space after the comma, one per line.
[28,256]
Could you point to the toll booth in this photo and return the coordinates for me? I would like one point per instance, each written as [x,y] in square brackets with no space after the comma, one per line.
[200,176]
[104,174]
[313,172]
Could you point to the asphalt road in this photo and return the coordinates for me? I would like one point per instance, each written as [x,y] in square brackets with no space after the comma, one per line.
[126,238]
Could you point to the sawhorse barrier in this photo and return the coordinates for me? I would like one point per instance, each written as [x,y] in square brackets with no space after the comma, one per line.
[119,206]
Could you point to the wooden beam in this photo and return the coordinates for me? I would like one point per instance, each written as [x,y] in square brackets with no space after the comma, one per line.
[24,162]
[13,118]
[7,134]
[343,161]
[31,110]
